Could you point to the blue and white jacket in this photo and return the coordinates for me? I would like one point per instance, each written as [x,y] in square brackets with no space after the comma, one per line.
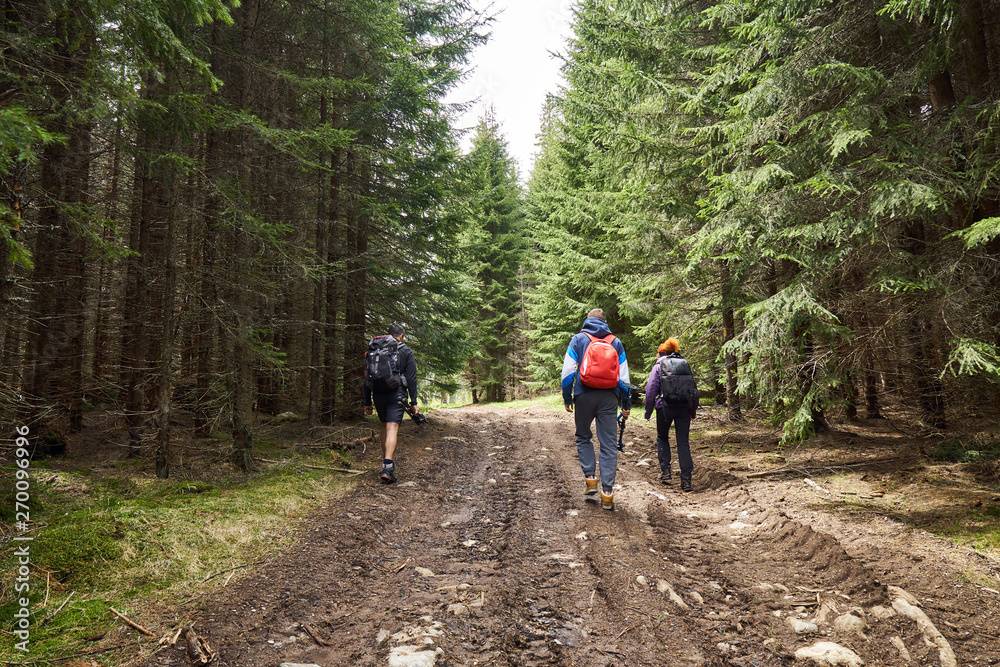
[571,363]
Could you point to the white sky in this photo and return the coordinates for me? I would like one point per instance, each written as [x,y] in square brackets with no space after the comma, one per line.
[514,71]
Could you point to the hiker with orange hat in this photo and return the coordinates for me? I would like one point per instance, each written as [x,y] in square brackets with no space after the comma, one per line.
[673,393]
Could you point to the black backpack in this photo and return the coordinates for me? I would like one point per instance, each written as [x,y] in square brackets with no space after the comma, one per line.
[677,385]
[382,364]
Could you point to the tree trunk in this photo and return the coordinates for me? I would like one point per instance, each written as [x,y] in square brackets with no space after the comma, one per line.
[976,52]
[873,410]
[243,369]
[162,463]
[734,410]
[56,336]
[850,397]
[331,359]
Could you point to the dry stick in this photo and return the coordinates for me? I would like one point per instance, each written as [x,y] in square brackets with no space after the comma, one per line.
[177,635]
[131,623]
[315,635]
[626,630]
[52,615]
[354,472]
[804,470]
[198,650]
[230,569]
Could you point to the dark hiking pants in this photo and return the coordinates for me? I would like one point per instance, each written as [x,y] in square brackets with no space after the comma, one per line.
[680,416]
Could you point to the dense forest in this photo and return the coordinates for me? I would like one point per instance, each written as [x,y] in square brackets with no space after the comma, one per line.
[210,206]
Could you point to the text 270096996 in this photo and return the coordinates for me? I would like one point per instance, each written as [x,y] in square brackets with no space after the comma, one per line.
[22,517]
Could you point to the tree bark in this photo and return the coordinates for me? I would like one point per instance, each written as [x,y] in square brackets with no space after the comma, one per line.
[56,335]
[243,369]
[734,409]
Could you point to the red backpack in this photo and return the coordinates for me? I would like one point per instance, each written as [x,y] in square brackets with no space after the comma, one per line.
[599,367]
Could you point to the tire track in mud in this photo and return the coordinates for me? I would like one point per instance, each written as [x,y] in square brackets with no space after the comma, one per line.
[487,553]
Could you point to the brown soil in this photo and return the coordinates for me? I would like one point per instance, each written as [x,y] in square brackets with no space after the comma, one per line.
[487,553]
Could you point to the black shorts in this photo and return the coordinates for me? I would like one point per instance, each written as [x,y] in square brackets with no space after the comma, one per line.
[387,406]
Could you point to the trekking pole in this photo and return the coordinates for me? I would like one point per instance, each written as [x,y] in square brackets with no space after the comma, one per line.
[412,411]
[621,431]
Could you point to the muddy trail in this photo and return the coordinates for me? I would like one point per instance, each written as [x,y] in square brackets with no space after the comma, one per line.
[487,553]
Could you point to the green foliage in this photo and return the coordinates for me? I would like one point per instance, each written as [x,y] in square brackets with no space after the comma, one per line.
[974,357]
[492,251]
[979,449]
[783,160]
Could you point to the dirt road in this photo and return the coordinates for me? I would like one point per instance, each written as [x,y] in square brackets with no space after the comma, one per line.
[487,553]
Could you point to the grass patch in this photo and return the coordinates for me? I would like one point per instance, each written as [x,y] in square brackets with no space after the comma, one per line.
[978,448]
[135,542]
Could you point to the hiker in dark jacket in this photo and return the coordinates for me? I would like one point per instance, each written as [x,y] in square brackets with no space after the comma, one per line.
[680,412]
[388,402]
[596,404]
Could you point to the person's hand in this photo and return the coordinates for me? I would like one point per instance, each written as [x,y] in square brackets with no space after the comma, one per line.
[569,407]
[625,414]
[368,409]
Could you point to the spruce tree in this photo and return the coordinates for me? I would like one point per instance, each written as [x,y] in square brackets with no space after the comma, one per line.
[492,247]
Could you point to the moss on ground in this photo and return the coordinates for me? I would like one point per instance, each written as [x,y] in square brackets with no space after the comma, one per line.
[127,541]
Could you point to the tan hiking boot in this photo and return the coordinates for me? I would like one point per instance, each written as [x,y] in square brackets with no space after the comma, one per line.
[607,500]
[591,487]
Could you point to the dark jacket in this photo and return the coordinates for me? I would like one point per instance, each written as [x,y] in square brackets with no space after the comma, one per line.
[408,367]
[653,399]
[574,353]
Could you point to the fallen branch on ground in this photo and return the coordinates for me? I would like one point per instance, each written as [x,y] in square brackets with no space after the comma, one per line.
[131,623]
[626,630]
[49,617]
[198,650]
[315,635]
[808,470]
[349,470]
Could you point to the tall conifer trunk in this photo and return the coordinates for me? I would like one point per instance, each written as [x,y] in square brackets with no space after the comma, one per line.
[734,409]
[242,364]
[55,342]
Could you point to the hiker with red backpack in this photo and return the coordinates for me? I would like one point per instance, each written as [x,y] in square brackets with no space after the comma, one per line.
[594,381]
[390,374]
[673,393]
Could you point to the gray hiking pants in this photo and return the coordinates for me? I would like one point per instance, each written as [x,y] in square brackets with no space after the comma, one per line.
[600,405]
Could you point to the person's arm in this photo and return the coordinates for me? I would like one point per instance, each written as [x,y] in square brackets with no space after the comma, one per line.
[570,365]
[652,389]
[696,401]
[624,393]
[411,376]
[366,390]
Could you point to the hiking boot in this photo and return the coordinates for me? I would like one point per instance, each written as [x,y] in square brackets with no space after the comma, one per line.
[685,485]
[388,475]
[607,500]
[591,487]
[665,477]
